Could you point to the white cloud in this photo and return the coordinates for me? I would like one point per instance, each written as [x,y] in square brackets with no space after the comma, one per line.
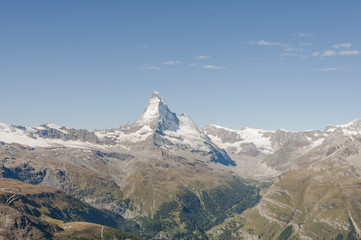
[331,69]
[328,53]
[293,49]
[172,62]
[315,54]
[342,45]
[349,52]
[266,43]
[152,67]
[203,57]
[212,67]
[192,64]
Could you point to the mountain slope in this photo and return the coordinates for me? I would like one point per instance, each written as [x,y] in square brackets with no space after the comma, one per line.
[134,170]
[160,127]
[263,154]
[32,212]
[318,197]
[179,181]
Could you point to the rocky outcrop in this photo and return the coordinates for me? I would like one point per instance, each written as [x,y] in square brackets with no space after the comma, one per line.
[67,134]
[23,208]
[6,173]
[17,224]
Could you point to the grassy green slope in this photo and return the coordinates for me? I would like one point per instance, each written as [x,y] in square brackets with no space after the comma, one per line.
[190,214]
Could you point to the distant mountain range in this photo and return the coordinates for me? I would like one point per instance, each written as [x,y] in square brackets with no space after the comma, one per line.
[179,181]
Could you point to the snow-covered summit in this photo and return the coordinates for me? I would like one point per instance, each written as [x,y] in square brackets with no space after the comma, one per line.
[351,128]
[225,137]
[159,126]
[158,114]
[46,135]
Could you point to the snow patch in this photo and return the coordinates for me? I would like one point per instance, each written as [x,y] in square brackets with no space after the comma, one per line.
[123,136]
[188,134]
[57,127]
[11,134]
[318,142]
[248,135]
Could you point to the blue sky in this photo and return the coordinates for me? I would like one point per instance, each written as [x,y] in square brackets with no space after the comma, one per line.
[264,64]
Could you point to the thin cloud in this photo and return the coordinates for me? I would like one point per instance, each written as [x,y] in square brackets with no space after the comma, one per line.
[293,49]
[342,45]
[192,64]
[288,54]
[329,53]
[152,67]
[203,57]
[172,62]
[266,43]
[329,69]
[315,54]
[213,67]
[349,52]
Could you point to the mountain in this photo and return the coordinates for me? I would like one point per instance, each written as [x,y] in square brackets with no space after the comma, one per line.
[161,171]
[263,154]
[156,127]
[181,182]
[160,127]
[317,197]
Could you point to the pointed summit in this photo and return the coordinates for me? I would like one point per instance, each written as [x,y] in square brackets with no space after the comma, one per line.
[157,97]
[177,133]
[158,115]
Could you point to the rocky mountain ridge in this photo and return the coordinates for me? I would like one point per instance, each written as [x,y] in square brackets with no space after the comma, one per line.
[132,171]
[316,197]
[255,153]
[146,171]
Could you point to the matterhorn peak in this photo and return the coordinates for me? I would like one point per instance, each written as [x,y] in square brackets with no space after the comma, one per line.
[157,97]
[157,113]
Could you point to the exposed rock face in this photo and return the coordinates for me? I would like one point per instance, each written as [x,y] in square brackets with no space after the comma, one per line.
[23,208]
[66,134]
[225,135]
[16,224]
[284,139]
[249,149]
[6,173]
